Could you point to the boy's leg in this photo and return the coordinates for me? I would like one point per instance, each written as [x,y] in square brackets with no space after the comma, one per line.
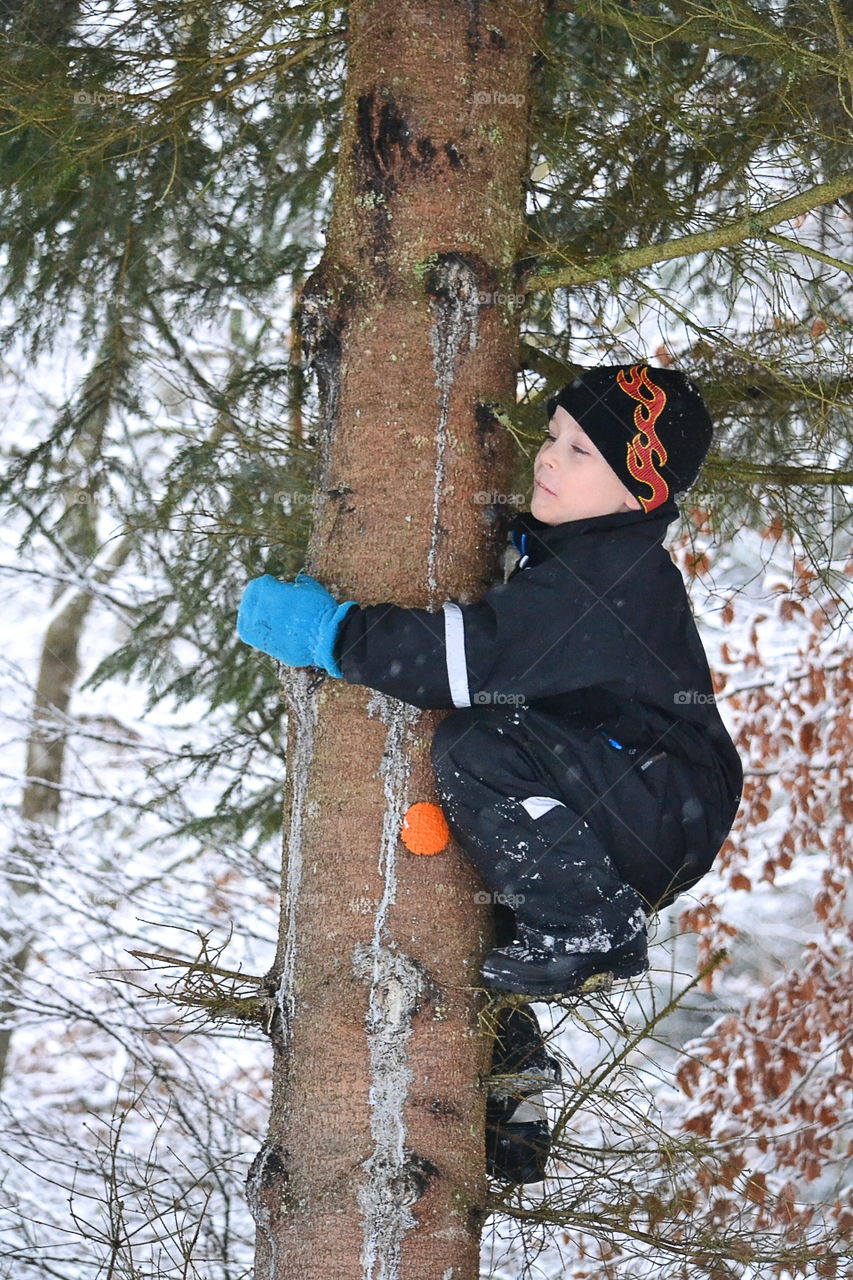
[516,807]
[570,831]
[676,825]
[506,927]
[518,1138]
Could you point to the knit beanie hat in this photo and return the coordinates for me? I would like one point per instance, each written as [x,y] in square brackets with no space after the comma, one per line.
[651,425]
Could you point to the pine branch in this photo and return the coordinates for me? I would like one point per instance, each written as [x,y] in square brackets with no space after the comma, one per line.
[609,266]
[742,33]
[837,263]
[772,472]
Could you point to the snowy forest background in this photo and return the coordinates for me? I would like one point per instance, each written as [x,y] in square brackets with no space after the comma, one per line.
[160,215]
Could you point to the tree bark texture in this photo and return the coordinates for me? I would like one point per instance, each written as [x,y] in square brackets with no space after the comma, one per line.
[373,1166]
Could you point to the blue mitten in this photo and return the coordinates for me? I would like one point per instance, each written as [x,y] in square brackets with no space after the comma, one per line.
[296,622]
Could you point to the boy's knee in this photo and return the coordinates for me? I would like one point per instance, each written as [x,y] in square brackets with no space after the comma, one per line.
[451,730]
[463,735]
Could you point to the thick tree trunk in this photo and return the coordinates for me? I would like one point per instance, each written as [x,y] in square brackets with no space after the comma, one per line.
[374,1162]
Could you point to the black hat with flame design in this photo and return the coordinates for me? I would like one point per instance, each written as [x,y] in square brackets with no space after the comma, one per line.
[651,425]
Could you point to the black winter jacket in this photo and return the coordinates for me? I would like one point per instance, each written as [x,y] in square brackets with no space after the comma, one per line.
[594,625]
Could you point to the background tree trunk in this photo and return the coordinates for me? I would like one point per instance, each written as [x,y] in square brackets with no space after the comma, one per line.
[45,767]
[59,661]
[374,1162]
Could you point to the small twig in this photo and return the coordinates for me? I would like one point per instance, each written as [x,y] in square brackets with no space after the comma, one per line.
[203,967]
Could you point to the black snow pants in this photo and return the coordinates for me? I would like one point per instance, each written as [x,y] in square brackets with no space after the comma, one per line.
[571,834]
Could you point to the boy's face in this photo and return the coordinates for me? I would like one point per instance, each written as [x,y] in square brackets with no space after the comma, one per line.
[572,480]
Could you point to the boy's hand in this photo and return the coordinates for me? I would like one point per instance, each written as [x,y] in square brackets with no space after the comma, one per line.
[296,622]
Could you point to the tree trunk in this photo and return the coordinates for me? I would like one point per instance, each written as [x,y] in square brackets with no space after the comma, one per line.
[374,1162]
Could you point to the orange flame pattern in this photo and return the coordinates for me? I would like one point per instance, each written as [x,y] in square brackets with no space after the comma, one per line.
[645,445]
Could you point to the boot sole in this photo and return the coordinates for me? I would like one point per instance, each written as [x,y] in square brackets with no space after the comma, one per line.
[582,984]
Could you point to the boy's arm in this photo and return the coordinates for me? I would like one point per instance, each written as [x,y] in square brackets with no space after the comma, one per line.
[426,658]
[408,653]
[528,638]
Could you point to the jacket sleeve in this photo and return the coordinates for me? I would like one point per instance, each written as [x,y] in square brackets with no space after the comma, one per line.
[528,638]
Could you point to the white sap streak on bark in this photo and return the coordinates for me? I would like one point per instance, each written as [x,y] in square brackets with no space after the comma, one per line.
[456,325]
[395,985]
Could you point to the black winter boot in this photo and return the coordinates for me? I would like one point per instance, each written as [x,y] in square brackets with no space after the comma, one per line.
[518,1139]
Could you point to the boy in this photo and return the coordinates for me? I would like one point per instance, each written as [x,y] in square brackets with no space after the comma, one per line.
[585,769]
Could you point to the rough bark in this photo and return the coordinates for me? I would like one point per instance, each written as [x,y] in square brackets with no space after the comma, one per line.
[374,1161]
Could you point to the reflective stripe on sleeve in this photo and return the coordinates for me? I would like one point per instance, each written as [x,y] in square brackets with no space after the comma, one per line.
[454,644]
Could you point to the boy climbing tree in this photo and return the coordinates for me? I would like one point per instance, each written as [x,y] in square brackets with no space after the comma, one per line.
[586,770]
